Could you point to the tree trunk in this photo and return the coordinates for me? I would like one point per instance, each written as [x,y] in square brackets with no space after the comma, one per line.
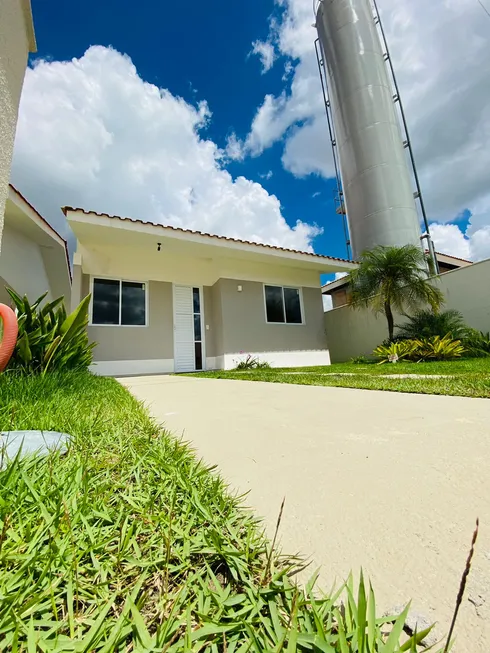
[389,318]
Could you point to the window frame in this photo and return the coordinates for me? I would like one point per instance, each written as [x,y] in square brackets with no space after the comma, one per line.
[121,281]
[301,306]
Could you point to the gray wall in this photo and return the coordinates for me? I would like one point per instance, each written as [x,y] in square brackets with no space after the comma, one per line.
[244,326]
[156,341]
[352,333]
[22,264]
[14,47]
[4,296]
[210,331]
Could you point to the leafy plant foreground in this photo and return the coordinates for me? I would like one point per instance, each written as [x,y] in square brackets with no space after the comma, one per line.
[128,543]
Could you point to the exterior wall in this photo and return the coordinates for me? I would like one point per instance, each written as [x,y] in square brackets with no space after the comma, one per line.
[14,48]
[353,333]
[22,265]
[246,331]
[4,296]
[214,336]
[137,350]
[234,326]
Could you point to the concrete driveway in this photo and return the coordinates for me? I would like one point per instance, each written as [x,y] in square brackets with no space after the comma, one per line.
[390,482]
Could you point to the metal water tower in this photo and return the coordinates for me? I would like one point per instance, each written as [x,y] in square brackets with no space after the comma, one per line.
[370,142]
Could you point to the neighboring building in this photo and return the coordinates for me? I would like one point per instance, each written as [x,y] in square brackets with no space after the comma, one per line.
[16,41]
[339,289]
[34,257]
[167,299]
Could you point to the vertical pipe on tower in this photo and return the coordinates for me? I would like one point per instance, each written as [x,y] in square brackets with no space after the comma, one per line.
[375,175]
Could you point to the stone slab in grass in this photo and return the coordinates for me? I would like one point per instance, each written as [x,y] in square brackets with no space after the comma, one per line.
[31,442]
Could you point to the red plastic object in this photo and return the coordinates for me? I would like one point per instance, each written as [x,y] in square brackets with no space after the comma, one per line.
[10,330]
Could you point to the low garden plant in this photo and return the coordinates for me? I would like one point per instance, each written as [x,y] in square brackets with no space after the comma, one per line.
[252,363]
[48,338]
[476,343]
[421,349]
[429,323]
[129,543]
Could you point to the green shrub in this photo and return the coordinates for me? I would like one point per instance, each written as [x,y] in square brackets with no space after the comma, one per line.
[426,324]
[476,343]
[422,349]
[48,338]
[395,351]
[252,363]
[438,349]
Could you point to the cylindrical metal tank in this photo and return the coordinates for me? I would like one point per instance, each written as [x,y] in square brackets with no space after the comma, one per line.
[376,181]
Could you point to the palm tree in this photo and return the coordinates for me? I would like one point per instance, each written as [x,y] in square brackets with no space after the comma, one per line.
[393,278]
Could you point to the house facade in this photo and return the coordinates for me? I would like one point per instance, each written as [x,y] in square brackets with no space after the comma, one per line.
[34,257]
[167,299]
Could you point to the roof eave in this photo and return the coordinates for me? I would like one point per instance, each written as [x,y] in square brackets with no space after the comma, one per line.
[178,233]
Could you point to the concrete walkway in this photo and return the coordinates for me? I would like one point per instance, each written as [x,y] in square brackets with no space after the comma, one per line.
[387,481]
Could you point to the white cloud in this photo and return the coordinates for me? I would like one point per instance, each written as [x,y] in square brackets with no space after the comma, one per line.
[266,175]
[92,133]
[441,53]
[265,51]
[234,148]
[449,239]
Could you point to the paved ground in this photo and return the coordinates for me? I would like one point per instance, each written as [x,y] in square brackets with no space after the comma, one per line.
[390,482]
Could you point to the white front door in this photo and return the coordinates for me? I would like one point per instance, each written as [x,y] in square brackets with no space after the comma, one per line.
[188,331]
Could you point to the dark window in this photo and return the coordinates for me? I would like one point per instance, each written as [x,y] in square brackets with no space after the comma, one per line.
[118,302]
[133,305]
[283,305]
[198,353]
[292,305]
[105,307]
[197,303]
[197,327]
[274,304]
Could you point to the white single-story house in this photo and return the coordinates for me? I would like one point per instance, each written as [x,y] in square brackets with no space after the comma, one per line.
[34,257]
[167,299]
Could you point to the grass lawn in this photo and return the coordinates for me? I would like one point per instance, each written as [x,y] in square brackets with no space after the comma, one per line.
[128,543]
[467,378]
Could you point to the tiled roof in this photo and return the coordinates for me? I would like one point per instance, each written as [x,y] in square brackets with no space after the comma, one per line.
[456,258]
[65,210]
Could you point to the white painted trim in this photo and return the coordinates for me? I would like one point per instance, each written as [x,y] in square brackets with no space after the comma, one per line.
[280,358]
[132,326]
[301,307]
[215,362]
[133,368]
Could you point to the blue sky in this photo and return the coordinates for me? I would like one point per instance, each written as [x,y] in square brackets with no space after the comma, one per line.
[98,129]
[199,51]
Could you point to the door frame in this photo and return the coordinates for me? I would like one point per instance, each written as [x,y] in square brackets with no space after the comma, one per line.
[203,326]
